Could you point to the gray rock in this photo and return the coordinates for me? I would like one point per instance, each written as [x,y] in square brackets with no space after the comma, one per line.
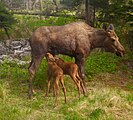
[15,49]
[3,49]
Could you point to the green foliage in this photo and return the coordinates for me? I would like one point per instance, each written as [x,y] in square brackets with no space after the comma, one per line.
[51,21]
[129,39]
[118,12]
[100,62]
[129,85]
[6,19]
[102,4]
[27,24]
[129,97]
[95,114]
[3,90]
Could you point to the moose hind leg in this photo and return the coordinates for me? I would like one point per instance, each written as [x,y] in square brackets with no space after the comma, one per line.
[32,70]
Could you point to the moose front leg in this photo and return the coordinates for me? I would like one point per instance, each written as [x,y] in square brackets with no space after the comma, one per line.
[35,62]
[80,62]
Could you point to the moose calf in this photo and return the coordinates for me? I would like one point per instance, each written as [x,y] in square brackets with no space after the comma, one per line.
[57,73]
[71,69]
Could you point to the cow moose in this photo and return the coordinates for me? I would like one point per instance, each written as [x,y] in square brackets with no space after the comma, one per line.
[75,40]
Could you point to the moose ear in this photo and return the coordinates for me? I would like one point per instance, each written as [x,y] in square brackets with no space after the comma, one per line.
[104,26]
[111,27]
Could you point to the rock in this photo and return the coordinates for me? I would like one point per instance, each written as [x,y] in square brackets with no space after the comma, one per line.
[3,49]
[12,49]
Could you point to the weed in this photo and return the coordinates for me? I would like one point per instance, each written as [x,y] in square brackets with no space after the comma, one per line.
[129,85]
[3,90]
[95,114]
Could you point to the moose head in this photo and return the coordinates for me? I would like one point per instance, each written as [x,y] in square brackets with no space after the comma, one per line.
[111,41]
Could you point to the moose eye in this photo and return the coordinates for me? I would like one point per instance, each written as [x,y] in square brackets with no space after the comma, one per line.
[113,40]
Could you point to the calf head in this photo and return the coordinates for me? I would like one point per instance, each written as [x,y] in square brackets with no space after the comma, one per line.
[111,42]
[50,57]
[57,59]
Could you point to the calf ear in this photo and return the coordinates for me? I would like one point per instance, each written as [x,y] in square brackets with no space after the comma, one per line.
[111,27]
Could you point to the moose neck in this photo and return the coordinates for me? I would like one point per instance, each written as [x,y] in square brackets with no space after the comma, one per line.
[97,39]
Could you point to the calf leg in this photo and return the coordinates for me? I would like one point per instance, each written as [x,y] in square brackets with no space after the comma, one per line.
[48,87]
[63,87]
[56,90]
[81,83]
[77,83]
[32,69]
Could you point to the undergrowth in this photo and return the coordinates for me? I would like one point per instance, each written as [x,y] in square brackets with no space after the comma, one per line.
[100,62]
[27,24]
[101,103]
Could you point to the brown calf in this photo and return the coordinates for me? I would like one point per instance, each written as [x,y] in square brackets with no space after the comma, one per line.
[57,73]
[71,69]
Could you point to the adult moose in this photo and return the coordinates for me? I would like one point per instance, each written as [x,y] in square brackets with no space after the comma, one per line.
[75,39]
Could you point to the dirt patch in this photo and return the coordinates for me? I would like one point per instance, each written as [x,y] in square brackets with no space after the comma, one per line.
[129,64]
[118,79]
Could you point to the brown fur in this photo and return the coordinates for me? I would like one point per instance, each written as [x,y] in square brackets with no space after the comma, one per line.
[55,72]
[75,39]
[71,69]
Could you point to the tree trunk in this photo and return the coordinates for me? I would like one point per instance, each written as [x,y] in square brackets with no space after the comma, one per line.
[94,11]
[87,11]
[57,8]
[30,4]
[34,4]
[41,9]
[27,5]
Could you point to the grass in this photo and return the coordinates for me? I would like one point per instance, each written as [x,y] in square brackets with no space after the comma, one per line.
[109,95]
[109,82]
[100,62]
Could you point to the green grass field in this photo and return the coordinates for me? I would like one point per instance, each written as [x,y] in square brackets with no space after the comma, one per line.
[109,92]
[109,82]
